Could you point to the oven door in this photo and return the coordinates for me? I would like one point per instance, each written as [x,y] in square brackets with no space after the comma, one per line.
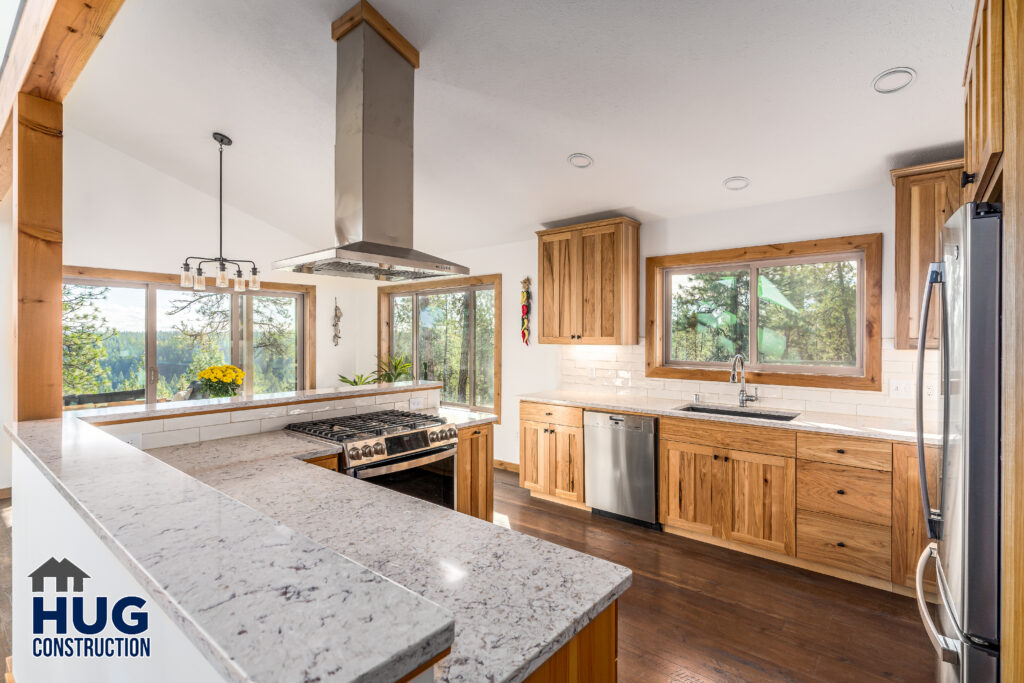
[428,475]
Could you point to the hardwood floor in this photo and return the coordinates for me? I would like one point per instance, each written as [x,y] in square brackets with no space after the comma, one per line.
[696,612]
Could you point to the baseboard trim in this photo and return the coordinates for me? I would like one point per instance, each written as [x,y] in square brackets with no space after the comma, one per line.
[507,466]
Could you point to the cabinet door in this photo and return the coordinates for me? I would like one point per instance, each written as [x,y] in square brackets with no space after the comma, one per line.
[909,535]
[475,477]
[533,456]
[566,463]
[600,294]
[685,481]
[755,500]
[983,98]
[557,289]
[923,205]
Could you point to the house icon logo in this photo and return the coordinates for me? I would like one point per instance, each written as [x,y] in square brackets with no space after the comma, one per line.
[63,573]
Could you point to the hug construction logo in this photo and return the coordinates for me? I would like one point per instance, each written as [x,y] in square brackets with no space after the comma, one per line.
[97,628]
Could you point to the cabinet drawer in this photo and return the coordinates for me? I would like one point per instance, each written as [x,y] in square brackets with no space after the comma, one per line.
[770,440]
[845,450]
[844,543]
[551,414]
[852,492]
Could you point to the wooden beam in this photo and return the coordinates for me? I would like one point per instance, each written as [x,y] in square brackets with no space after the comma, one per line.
[1012,589]
[364,11]
[53,42]
[38,208]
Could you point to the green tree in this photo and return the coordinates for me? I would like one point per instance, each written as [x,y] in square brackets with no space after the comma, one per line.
[85,332]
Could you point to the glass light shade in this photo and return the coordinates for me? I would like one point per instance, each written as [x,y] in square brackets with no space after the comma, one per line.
[239,284]
[186,278]
[200,282]
[222,278]
[254,280]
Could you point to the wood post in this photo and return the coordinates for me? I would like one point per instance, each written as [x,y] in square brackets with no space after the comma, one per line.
[38,209]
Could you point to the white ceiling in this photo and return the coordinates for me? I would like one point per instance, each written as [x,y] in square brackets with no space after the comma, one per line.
[669,97]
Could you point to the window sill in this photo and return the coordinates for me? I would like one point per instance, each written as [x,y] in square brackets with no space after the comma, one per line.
[871,382]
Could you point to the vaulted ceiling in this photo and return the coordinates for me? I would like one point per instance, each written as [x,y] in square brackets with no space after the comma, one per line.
[668,97]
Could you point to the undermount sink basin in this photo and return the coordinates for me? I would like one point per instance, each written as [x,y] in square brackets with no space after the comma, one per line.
[736,411]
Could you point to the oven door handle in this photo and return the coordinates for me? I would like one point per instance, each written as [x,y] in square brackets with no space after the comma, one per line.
[370,471]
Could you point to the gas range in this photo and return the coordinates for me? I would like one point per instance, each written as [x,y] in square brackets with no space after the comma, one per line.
[382,435]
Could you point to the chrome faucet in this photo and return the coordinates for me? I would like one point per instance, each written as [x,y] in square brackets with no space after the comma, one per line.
[745,398]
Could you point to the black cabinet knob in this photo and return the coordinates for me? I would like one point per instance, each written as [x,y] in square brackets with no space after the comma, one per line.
[840,544]
[840,451]
[841,492]
[715,456]
[726,458]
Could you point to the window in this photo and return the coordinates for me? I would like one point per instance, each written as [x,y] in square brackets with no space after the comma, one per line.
[138,337]
[448,333]
[804,313]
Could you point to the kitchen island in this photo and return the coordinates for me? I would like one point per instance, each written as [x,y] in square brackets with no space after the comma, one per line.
[221,532]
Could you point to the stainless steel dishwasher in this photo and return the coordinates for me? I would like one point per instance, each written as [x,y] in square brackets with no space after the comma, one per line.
[621,470]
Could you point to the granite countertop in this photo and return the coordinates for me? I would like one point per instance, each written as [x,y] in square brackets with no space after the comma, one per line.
[516,599]
[827,423]
[177,408]
[242,586]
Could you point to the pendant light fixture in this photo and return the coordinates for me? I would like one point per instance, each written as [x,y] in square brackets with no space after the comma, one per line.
[197,281]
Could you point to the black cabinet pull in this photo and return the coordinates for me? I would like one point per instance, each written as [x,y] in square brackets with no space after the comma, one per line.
[476,432]
[840,545]
[726,458]
[715,456]
[840,451]
[547,414]
[841,492]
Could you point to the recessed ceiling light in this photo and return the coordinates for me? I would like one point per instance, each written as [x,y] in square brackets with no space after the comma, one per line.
[736,182]
[893,80]
[580,160]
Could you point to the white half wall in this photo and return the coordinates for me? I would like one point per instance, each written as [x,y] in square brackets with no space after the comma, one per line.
[8,321]
[121,213]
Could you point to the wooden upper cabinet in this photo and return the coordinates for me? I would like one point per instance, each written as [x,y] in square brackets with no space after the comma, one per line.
[557,288]
[685,486]
[909,534]
[926,197]
[983,99]
[588,283]
[756,499]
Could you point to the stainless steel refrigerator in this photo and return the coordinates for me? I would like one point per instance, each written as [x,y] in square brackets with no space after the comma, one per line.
[964,522]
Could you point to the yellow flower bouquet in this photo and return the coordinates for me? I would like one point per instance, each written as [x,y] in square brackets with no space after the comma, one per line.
[221,380]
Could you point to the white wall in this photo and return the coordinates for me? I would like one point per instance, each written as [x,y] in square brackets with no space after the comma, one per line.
[121,213]
[620,369]
[524,368]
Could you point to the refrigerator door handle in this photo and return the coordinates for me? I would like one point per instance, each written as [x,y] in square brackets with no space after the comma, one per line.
[936,276]
[947,648]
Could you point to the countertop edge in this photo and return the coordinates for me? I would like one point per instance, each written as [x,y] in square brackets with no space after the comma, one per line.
[600,402]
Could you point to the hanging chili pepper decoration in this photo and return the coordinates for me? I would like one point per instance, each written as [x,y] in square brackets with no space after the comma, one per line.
[524,299]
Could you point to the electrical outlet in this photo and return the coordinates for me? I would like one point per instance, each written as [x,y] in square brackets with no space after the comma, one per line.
[900,388]
[416,403]
[133,440]
[931,390]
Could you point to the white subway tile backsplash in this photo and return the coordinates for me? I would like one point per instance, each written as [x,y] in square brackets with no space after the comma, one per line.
[232,429]
[172,438]
[309,408]
[621,370]
[171,424]
[141,427]
[375,407]
[257,414]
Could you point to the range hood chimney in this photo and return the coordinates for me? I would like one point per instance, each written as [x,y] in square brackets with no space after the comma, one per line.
[373,154]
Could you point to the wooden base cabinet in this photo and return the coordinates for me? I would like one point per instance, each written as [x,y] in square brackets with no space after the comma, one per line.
[551,460]
[744,498]
[909,535]
[474,492]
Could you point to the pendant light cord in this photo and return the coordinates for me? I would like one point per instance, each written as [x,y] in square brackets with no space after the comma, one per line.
[221,200]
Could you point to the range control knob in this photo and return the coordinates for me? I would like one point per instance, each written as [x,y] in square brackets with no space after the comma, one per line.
[366,451]
[433,437]
[353,453]
[451,433]
[378,448]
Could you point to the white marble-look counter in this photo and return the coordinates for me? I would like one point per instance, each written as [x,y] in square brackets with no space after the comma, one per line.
[827,423]
[176,408]
[516,599]
[259,599]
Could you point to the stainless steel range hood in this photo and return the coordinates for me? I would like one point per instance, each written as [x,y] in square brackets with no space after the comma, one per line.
[373,170]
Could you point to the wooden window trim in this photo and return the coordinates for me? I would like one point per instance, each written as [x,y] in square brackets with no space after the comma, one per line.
[870,245]
[308,299]
[384,315]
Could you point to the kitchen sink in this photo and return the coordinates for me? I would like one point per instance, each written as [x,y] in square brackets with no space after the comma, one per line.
[735,411]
